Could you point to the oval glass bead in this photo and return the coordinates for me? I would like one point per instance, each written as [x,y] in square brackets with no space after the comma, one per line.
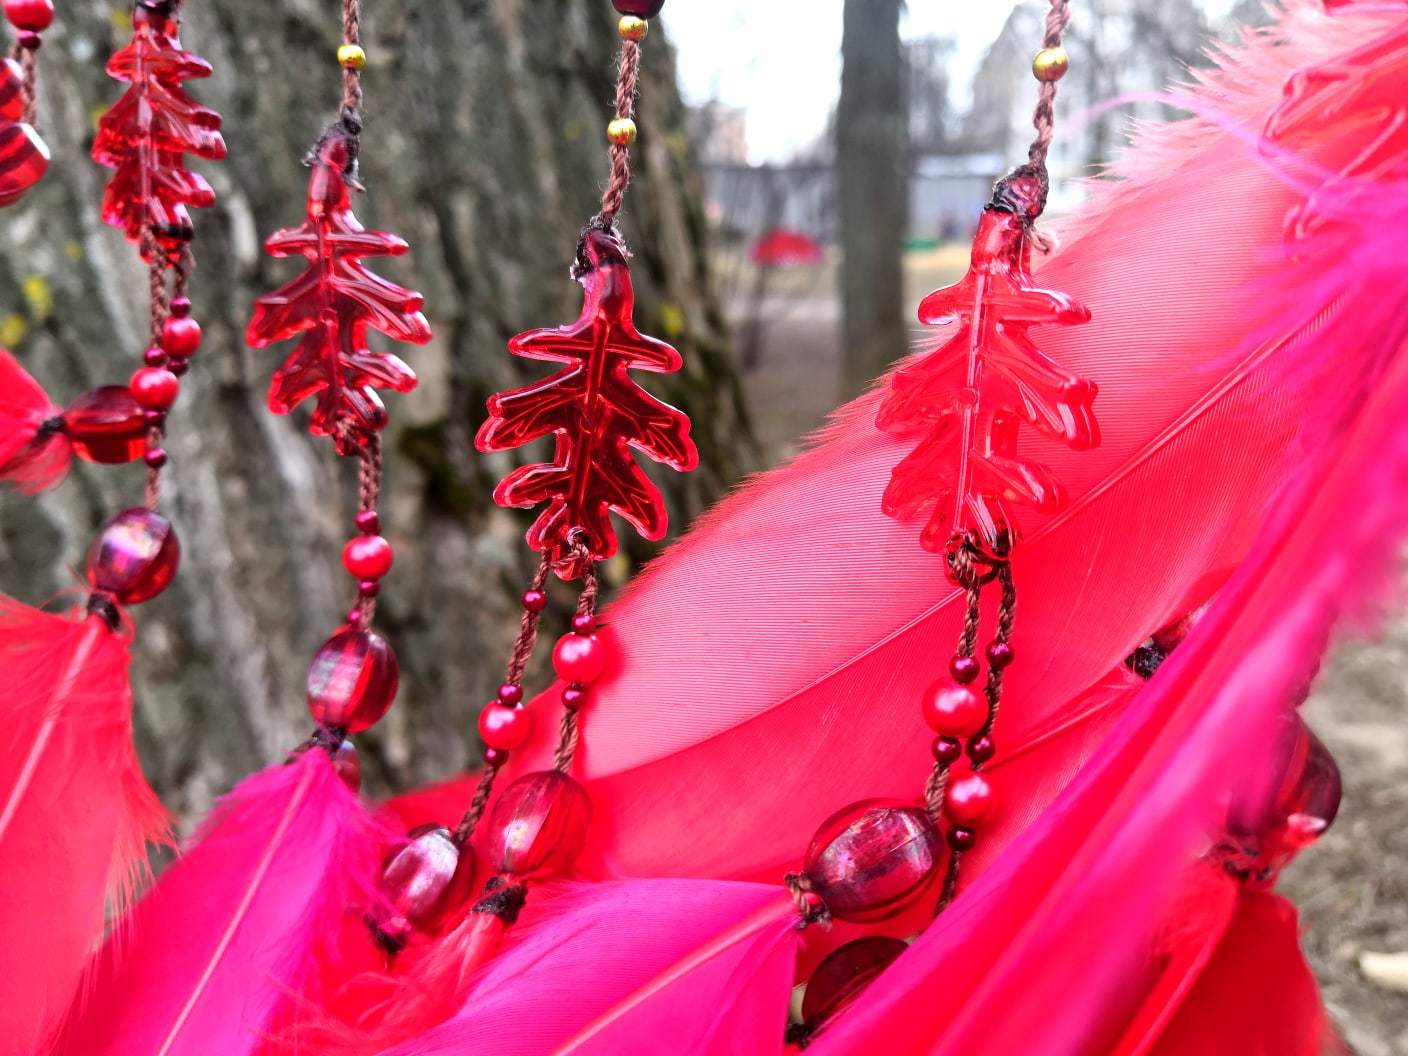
[844,973]
[352,680]
[871,859]
[538,825]
[135,557]
[639,8]
[424,883]
[106,426]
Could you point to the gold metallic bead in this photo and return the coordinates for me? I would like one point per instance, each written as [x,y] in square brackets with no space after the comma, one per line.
[632,28]
[621,131]
[1051,64]
[351,57]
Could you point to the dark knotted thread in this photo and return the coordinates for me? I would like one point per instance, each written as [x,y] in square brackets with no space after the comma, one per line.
[1044,116]
[502,899]
[615,193]
[809,904]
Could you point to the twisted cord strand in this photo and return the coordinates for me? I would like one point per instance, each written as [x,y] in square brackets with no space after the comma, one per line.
[1044,116]
[615,193]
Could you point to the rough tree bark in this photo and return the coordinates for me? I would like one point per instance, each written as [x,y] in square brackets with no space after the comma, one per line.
[484,148]
[873,184]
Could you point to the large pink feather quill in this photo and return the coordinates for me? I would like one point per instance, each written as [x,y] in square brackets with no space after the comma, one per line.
[75,811]
[209,961]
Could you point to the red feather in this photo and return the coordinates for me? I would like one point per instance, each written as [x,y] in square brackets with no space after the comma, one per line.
[209,961]
[30,459]
[75,811]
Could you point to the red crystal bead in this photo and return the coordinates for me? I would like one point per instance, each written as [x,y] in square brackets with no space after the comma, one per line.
[32,15]
[969,802]
[844,973]
[871,859]
[639,8]
[367,556]
[504,727]
[135,557]
[155,388]
[424,883]
[180,336]
[24,157]
[579,658]
[538,825]
[953,710]
[352,680]
[106,425]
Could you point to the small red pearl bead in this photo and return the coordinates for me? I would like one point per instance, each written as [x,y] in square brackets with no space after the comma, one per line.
[367,556]
[504,727]
[961,839]
[573,697]
[579,658]
[495,758]
[32,15]
[154,388]
[964,669]
[154,418]
[29,40]
[369,588]
[947,751]
[154,357]
[156,458]
[981,750]
[178,367]
[353,618]
[180,336]
[583,623]
[180,306]
[969,802]
[510,694]
[954,711]
[999,654]
[367,522]
[535,600]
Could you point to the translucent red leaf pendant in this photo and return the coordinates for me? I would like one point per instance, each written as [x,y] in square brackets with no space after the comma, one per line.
[597,413]
[965,402]
[23,156]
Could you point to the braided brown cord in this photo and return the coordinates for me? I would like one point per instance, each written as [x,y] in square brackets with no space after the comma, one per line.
[158,308]
[465,832]
[351,77]
[615,192]
[950,887]
[1044,116]
[368,496]
[1006,616]
[568,732]
[29,76]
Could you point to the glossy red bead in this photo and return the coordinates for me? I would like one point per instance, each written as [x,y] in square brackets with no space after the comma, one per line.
[639,8]
[155,457]
[180,306]
[964,669]
[367,556]
[871,859]
[424,884]
[538,825]
[32,15]
[947,750]
[368,522]
[969,802]
[579,658]
[494,758]
[180,336]
[999,654]
[352,680]
[962,839]
[504,727]
[844,973]
[573,697]
[155,388]
[981,750]
[106,425]
[135,557]
[154,357]
[348,765]
[368,588]
[510,693]
[583,623]
[535,600]
[178,367]
[953,710]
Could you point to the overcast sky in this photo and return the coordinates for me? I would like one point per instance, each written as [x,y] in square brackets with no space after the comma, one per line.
[781,59]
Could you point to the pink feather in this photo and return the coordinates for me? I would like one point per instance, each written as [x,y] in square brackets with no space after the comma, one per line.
[26,462]
[209,961]
[75,811]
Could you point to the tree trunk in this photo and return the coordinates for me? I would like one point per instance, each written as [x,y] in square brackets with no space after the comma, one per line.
[873,182]
[484,148]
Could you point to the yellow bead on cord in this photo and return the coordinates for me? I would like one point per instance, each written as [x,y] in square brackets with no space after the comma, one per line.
[621,132]
[351,57]
[1051,64]
[632,28]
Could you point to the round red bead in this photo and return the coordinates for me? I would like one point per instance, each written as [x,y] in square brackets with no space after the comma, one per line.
[423,884]
[180,336]
[583,623]
[154,357]
[981,750]
[495,758]
[368,588]
[535,600]
[639,8]
[579,658]
[573,697]
[510,693]
[844,973]
[504,727]
[964,669]
[180,306]
[106,425]
[135,557]
[155,388]
[947,750]
[352,680]
[368,522]
[969,802]
[871,859]
[961,839]
[156,458]
[539,825]
[32,15]
[953,710]
[178,367]
[999,654]
[367,556]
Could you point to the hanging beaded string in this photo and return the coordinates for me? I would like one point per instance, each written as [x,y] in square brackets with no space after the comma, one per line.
[30,18]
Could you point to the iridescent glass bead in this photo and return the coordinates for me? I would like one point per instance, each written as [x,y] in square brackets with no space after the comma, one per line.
[352,680]
[424,883]
[844,973]
[135,557]
[871,859]
[538,826]
[106,425]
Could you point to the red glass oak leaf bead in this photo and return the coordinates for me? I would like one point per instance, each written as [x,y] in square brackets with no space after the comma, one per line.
[24,158]
[871,859]
[135,558]
[844,973]
[332,303]
[352,680]
[538,825]
[965,402]
[145,135]
[106,425]
[597,414]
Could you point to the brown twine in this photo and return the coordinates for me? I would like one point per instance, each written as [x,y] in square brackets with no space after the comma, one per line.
[158,308]
[1006,616]
[465,832]
[934,790]
[615,193]
[29,77]
[351,78]
[950,887]
[368,496]
[1044,116]
[568,731]
[799,885]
